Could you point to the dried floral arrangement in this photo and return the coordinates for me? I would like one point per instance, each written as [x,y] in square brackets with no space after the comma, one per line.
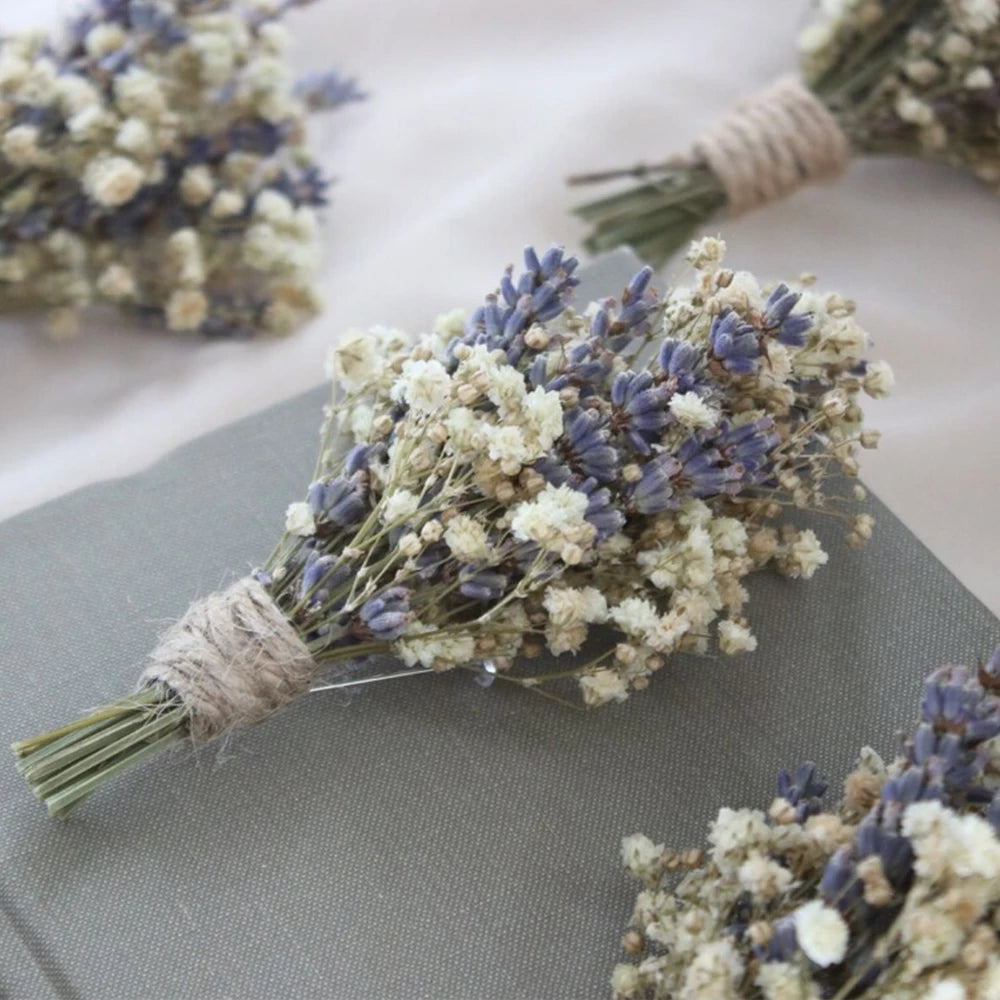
[886,77]
[892,895]
[155,158]
[491,491]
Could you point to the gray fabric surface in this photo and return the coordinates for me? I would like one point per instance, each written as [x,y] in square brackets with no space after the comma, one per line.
[425,838]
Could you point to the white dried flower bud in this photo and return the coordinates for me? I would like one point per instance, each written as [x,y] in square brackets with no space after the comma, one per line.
[186,309]
[20,145]
[112,180]
[410,544]
[227,203]
[116,283]
[821,932]
[197,184]
[299,520]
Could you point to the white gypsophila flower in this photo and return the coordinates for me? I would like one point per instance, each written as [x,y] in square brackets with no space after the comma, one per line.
[450,324]
[913,110]
[692,411]
[625,981]
[879,379]
[467,539]
[104,39]
[553,519]
[948,989]
[197,184]
[20,145]
[783,981]
[706,253]
[734,833]
[465,431]
[979,78]
[134,137]
[116,283]
[699,606]
[639,853]
[735,638]
[728,535]
[506,445]
[227,203]
[821,933]
[714,974]
[299,520]
[693,513]
[353,362]
[184,254]
[88,123]
[543,418]
[186,309]
[424,645]
[424,385]
[398,505]
[668,632]
[635,616]
[603,686]
[742,294]
[273,207]
[975,16]
[359,421]
[506,390]
[803,556]
[762,877]
[75,93]
[138,92]
[112,180]
[947,844]
[956,48]
[573,606]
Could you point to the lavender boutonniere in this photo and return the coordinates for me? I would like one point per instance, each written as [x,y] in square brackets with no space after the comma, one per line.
[491,492]
[155,158]
[887,77]
[892,895]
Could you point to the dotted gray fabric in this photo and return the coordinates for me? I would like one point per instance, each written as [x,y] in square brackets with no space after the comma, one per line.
[422,838]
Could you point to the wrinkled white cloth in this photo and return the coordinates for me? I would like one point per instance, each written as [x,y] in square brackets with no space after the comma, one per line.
[477,113]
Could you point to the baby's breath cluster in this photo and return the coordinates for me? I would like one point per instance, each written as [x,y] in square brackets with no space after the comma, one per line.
[928,87]
[500,486]
[893,895]
[899,77]
[155,158]
[519,477]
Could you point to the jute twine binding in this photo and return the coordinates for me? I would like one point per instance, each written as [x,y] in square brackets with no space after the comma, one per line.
[233,659]
[773,143]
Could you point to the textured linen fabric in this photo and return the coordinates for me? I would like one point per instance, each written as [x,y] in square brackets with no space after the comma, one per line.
[478,112]
[421,838]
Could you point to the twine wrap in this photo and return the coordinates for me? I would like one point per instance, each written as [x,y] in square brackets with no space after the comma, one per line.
[233,659]
[770,144]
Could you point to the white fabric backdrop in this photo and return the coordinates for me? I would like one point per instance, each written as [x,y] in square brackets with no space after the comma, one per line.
[478,111]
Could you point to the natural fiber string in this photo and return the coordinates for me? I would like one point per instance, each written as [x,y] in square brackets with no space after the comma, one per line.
[233,659]
[772,143]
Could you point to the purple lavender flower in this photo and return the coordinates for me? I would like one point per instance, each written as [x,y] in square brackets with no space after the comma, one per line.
[681,363]
[340,501]
[325,90]
[387,614]
[482,584]
[802,789]
[587,446]
[780,322]
[641,409]
[734,343]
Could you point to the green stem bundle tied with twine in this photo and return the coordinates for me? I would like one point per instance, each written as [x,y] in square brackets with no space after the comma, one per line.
[489,493]
[888,77]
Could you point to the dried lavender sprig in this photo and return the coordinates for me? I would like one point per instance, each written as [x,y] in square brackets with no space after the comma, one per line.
[858,902]
[155,159]
[518,476]
[900,77]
